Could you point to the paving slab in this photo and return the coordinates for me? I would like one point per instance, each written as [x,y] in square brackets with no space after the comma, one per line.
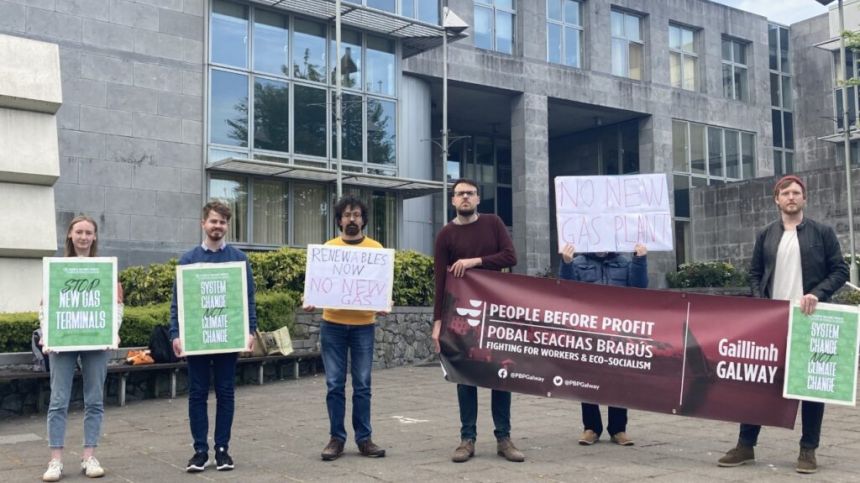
[281,427]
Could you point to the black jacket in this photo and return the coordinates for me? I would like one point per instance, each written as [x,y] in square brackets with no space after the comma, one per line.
[823,267]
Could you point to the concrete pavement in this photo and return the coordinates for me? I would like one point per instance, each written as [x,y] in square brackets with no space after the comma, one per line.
[281,427]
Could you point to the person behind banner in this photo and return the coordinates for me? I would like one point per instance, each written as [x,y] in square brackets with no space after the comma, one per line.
[81,241]
[473,240]
[214,249]
[605,268]
[798,259]
[349,334]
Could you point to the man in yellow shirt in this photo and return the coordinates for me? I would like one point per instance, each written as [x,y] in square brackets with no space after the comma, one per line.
[350,332]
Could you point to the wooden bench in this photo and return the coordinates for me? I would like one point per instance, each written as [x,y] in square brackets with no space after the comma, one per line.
[123,371]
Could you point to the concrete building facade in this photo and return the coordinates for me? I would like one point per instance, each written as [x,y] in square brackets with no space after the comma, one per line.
[170,102]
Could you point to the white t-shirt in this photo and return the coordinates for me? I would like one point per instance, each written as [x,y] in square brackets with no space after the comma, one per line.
[788,275]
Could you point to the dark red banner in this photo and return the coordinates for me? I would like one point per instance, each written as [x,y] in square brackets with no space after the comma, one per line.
[696,355]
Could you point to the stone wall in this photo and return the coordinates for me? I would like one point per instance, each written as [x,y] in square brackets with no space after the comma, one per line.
[727,218]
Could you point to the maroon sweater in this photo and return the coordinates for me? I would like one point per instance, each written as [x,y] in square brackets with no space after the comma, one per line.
[486,238]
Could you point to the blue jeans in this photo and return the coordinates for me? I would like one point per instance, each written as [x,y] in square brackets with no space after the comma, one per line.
[591,419]
[224,367]
[336,340]
[500,404]
[811,416]
[94,371]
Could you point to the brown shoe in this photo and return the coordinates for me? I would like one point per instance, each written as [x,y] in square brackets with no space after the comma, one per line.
[465,451]
[737,456]
[588,437]
[506,448]
[620,438]
[369,448]
[332,450]
[806,462]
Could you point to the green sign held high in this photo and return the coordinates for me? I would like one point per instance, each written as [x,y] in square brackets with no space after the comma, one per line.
[821,363]
[79,297]
[212,303]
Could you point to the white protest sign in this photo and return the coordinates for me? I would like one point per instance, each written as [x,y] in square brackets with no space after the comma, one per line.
[613,213]
[353,278]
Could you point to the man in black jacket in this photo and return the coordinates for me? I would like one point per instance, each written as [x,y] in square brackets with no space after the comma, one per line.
[795,259]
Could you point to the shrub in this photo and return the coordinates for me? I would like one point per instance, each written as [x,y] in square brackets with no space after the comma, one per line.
[281,271]
[148,285]
[707,274]
[413,279]
[16,330]
[274,310]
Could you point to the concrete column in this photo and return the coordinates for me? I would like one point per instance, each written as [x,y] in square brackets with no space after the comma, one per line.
[30,95]
[530,165]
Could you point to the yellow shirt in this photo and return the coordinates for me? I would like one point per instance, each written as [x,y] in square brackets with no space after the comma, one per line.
[351,317]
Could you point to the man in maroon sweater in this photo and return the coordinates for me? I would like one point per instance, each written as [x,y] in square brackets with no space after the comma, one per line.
[473,240]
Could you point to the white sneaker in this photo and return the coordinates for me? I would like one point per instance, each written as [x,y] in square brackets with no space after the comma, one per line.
[92,468]
[55,471]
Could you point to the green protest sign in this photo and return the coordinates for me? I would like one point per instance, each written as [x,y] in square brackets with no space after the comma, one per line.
[212,306]
[821,361]
[79,301]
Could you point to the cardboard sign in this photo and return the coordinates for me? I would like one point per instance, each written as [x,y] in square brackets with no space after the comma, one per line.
[821,364]
[212,306]
[79,295]
[613,213]
[351,278]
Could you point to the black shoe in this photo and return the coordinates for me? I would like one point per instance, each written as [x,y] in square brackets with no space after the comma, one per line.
[198,462]
[223,461]
[369,448]
[332,450]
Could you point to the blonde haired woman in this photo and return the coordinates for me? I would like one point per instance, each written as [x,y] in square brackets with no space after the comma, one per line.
[81,241]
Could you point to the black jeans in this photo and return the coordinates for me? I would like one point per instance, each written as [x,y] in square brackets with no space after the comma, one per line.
[467,396]
[591,419]
[811,415]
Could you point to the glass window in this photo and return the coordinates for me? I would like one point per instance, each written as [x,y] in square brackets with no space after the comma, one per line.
[382,225]
[353,128]
[778,167]
[504,32]
[310,120]
[682,196]
[626,45]
[679,146]
[682,57]
[774,90]
[734,69]
[233,191]
[784,59]
[309,51]
[229,31]
[697,148]
[715,151]
[229,108]
[776,120]
[505,203]
[788,129]
[494,25]
[381,131]
[732,155]
[787,100]
[773,46]
[381,66]
[423,10]
[387,5]
[271,115]
[748,155]
[350,59]
[564,32]
[483,28]
[310,212]
[270,212]
[270,43]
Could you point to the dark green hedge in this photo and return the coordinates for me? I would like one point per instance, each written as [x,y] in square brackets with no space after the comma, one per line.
[282,270]
[707,274]
[274,310]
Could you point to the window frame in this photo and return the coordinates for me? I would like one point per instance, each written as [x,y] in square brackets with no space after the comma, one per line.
[684,54]
[734,65]
[640,42]
[491,5]
[564,25]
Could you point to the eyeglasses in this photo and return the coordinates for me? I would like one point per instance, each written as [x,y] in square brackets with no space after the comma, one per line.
[355,216]
[465,194]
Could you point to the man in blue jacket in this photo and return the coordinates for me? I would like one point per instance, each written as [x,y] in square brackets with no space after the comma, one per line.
[214,249]
[606,268]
